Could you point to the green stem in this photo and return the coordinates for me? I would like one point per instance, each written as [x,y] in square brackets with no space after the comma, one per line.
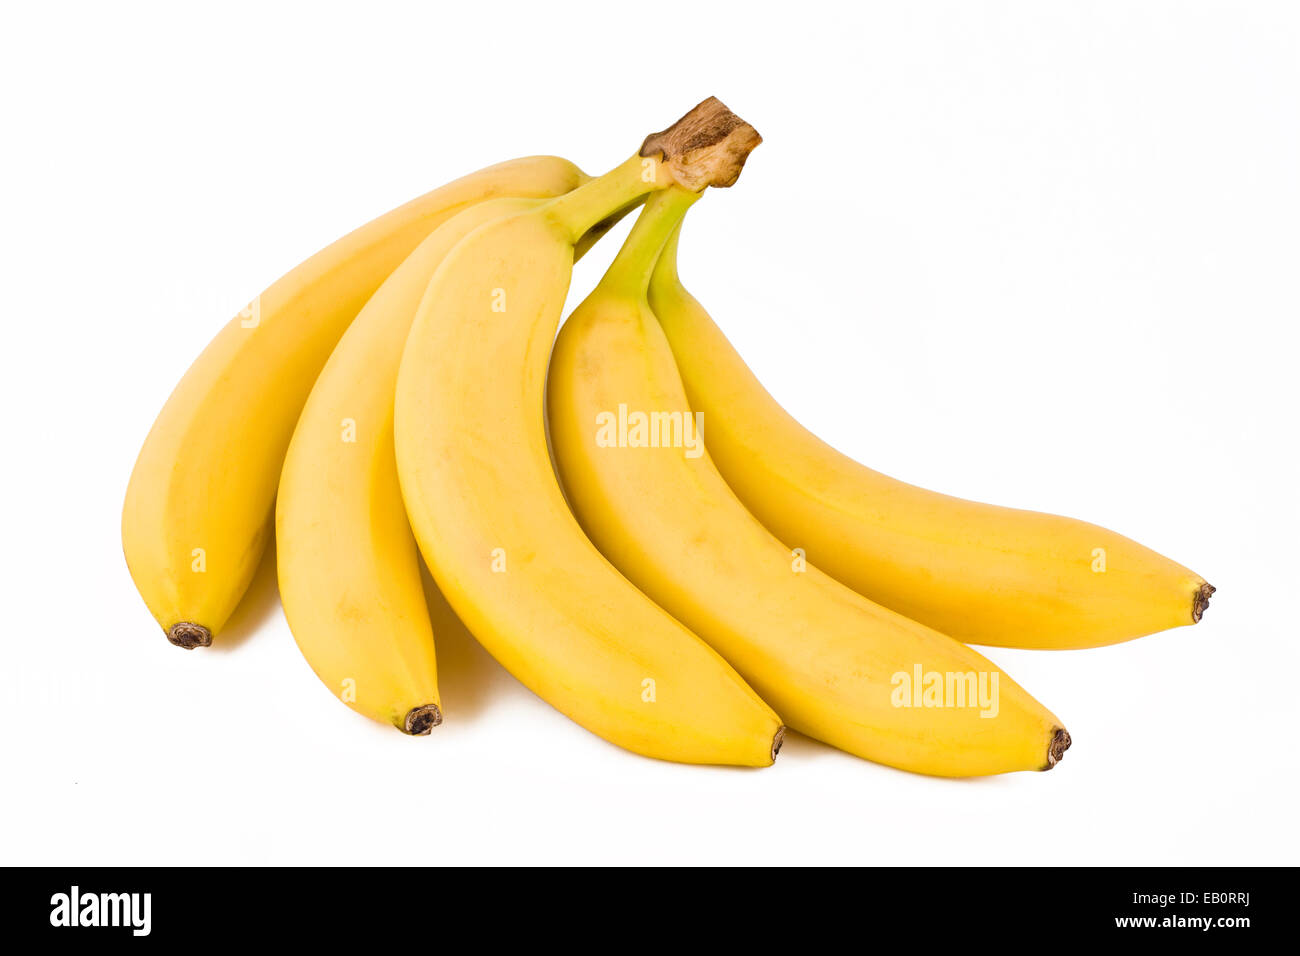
[580,210]
[629,274]
[665,276]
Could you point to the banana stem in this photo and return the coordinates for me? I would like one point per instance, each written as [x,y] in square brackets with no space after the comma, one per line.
[665,275]
[706,147]
[629,274]
[583,208]
[597,232]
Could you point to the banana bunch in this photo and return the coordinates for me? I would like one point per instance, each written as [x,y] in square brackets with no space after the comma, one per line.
[403,394]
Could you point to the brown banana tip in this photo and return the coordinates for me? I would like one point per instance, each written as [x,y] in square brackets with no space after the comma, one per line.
[1201,600]
[1057,748]
[777,741]
[189,636]
[420,720]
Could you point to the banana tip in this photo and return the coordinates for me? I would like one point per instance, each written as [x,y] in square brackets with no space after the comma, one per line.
[189,636]
[1057,748]
[420,720]
[1201,600]
[777,740]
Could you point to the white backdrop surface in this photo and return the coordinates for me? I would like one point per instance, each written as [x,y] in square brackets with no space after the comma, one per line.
[1040,254]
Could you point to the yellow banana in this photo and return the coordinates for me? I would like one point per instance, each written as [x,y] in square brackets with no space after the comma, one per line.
[631,459]
[199,505]
[486,507]
[980,573]
[348,567]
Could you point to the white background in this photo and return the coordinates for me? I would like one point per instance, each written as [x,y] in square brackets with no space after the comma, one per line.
[1039,254]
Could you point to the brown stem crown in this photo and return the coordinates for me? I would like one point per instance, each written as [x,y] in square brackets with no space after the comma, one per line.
[706,147]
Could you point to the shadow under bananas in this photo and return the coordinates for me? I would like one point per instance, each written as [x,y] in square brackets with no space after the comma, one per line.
[468,676]
[260,601]
[801,749]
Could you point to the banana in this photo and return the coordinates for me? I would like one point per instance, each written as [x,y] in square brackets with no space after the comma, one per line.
[979,573]
[349,571]
[649,497]
[348,567]
[486,507]
[199,504]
